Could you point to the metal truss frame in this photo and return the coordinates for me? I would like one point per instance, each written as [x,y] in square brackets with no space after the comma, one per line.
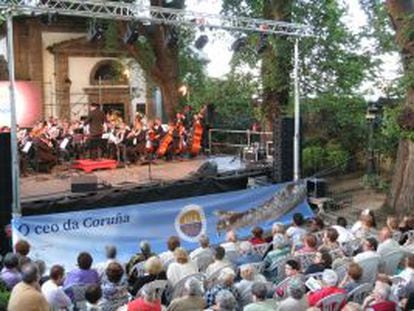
[139,11]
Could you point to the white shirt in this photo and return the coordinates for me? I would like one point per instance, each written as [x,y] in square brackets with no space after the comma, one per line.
[216,266]
[370,269]
[388,246]
[177,271]
[295,234]
[55,295]
[166,257]
[207,252]
[407,274]
[344,235]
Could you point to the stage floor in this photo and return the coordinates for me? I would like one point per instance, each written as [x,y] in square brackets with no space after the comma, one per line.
[58,183]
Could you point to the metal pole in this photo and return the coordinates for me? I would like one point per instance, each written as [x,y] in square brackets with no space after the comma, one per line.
[13,132]
[296,139]
[100,93]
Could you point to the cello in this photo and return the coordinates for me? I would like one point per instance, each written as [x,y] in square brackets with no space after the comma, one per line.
[165,141]
[197,135]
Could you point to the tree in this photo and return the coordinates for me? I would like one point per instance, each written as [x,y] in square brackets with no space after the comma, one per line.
[401,195]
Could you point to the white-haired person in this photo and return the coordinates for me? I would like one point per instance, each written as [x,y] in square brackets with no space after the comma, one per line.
[225,282]
[182,267]
[148,300]
[248,276]
[329,287]
[296,299]
[154,270]
[192,300]
[232,243]
[204,250]
[225,301]
[378,300]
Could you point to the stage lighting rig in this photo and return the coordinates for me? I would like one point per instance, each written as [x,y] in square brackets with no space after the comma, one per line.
[131,34]
[95,32]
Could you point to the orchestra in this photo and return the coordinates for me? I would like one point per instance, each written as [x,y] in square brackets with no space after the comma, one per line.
[55,141]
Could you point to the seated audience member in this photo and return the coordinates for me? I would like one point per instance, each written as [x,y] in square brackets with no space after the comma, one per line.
[167,257]
[316,224]
[22,249]
[309,245]
[295,232]
[379,299]
[353,277]
[144,254]
[406,224]
[296,299]
[365,228]
[110,254]
[154,271]
[293,269]
[26,295]
[281,248]
[248,277]
[392,224]
[192,300]
[260,303]
[10,273]
[204,250]
[41,266]
[93,295]
[84,274]
[329,287]
[219,262]
[408,272]
[257,238]
[362,217]
[53,292]
[225,301]
[329,240]
[279,234]
[226,282]
[369,247]
[247,254]
[322,261]
[181,268]
[231,244]
[148,300]
[114,289]
[344,235]
[387,243]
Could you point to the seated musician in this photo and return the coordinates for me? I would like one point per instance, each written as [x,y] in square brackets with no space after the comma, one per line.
[44,151]
[135,143]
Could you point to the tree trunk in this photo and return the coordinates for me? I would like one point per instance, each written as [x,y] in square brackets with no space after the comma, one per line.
[401,195]
[170,97]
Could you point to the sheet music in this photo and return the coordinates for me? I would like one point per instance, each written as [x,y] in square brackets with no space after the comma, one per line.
[64,143]
[27,146]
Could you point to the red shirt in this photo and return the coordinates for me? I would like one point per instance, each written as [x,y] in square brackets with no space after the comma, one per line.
[257,241]
[384,306]
[141,305]
[314,298]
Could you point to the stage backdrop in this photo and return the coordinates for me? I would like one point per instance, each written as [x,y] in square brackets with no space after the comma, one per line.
[58,238]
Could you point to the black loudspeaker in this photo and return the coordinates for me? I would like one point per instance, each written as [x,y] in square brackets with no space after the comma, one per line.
[208,168]
[84,183]
[288,132]
[6,196]
[317,187]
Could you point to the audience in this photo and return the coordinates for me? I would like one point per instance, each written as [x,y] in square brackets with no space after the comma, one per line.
[108,289]
[84,274]
[26,295]
[52,289]
[192,300]
[10,273]
[181,268]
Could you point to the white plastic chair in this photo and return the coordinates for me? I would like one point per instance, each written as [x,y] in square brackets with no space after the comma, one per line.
[341,271]
[332,302]
[281,289]
[261,249]
[203,261]
[212,279]
[359,293]
[178,289]
[305,259]
[410,237]
[391,261]
[316,276]
[159,286]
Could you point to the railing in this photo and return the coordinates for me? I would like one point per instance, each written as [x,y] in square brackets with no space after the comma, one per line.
[248,137]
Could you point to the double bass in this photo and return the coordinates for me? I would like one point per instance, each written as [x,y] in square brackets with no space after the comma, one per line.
[166,141]
[196,137]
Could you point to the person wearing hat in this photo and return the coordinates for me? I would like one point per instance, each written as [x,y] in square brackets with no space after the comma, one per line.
[329,287]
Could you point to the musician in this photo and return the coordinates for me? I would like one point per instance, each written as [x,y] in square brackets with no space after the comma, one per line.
[44,150]
[96,120]
[179,135]
[135,142]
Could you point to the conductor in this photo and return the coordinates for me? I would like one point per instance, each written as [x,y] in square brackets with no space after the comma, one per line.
[96,120]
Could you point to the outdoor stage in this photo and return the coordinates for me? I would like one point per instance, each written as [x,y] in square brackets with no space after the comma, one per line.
[58,183]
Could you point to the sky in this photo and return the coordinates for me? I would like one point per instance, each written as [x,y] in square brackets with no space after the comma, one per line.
[219,54]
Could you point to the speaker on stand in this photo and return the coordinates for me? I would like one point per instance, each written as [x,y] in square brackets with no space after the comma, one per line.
[6,193]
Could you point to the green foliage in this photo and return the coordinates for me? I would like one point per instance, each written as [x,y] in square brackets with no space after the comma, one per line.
[312,159]
[317,158]
[4,296]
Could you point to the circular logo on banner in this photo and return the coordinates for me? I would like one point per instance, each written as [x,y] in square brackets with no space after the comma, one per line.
[190,223]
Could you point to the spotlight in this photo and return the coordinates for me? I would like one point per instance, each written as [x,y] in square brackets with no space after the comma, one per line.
[95,32]
[174,4]
[131,34]
[201,42]
[239,44]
